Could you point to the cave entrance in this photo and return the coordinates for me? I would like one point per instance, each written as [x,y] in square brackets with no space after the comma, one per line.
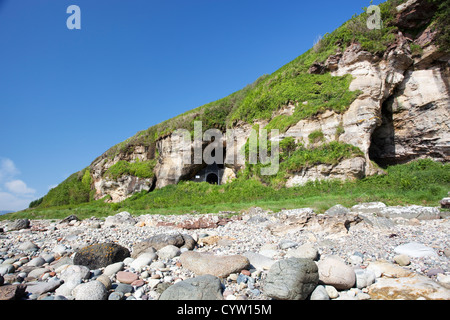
[212,178]
[382,144]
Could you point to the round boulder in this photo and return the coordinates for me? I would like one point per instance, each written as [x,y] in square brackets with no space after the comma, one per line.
[291,279]
[206,287]
[100,255]
[335,272]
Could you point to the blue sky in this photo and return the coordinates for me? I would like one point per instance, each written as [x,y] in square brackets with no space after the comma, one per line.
[66,96]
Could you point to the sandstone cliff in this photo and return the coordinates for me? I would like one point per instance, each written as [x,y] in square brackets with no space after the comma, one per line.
[401,113]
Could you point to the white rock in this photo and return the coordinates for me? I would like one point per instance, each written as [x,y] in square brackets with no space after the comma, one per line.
[93,290]
[415,250]
[112,269]
[143,260]
[332,292]
[168,252]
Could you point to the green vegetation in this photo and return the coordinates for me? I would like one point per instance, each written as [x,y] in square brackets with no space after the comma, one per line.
[295,157]
[442,25]
[416,50]
[290,84]
[330,153]
[140,169]
[311,94]
[421,182]
[76,189]
[316,136]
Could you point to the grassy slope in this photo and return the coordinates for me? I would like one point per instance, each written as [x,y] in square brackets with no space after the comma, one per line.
[289,84]
[421,182]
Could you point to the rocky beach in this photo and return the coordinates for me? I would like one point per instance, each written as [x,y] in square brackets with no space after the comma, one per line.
[367,252]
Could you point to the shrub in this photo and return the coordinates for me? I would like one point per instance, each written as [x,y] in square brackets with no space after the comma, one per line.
[74,190]
[140,169]
[316,136]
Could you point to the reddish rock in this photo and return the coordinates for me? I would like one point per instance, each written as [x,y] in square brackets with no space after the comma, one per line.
[12,292]
[246,273]
[138,283]
[126,277]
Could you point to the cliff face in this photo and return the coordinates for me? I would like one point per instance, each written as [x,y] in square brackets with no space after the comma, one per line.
[402,113]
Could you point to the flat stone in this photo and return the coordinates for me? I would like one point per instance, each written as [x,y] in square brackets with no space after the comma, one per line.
[415,250]
[123,287]
[28,246]
[43,287]
[126,277]
[143,260]
[112,269]
[368,207]
[12,291]
[408,288]
[36,273]
[410,212]
[219,266]
[36,262]
[386,269]
[158,242]
[259,261]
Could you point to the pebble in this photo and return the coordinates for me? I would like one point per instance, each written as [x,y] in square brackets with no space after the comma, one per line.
[93,290]
[112,269]
[402,260]
[366,250]
[126,277]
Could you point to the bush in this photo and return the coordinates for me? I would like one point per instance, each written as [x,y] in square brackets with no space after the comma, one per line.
[74,190]
[140,169]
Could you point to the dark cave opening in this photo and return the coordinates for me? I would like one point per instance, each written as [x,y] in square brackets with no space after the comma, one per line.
[382,144]
[212,178]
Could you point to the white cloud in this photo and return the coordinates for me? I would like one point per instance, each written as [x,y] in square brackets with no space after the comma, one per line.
[19,195]
[7,169]
[19,187]
[11,202]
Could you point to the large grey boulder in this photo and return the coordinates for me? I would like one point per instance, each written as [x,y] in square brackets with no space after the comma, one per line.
[100,255]
[291,279]
[206,287]
[220,266]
